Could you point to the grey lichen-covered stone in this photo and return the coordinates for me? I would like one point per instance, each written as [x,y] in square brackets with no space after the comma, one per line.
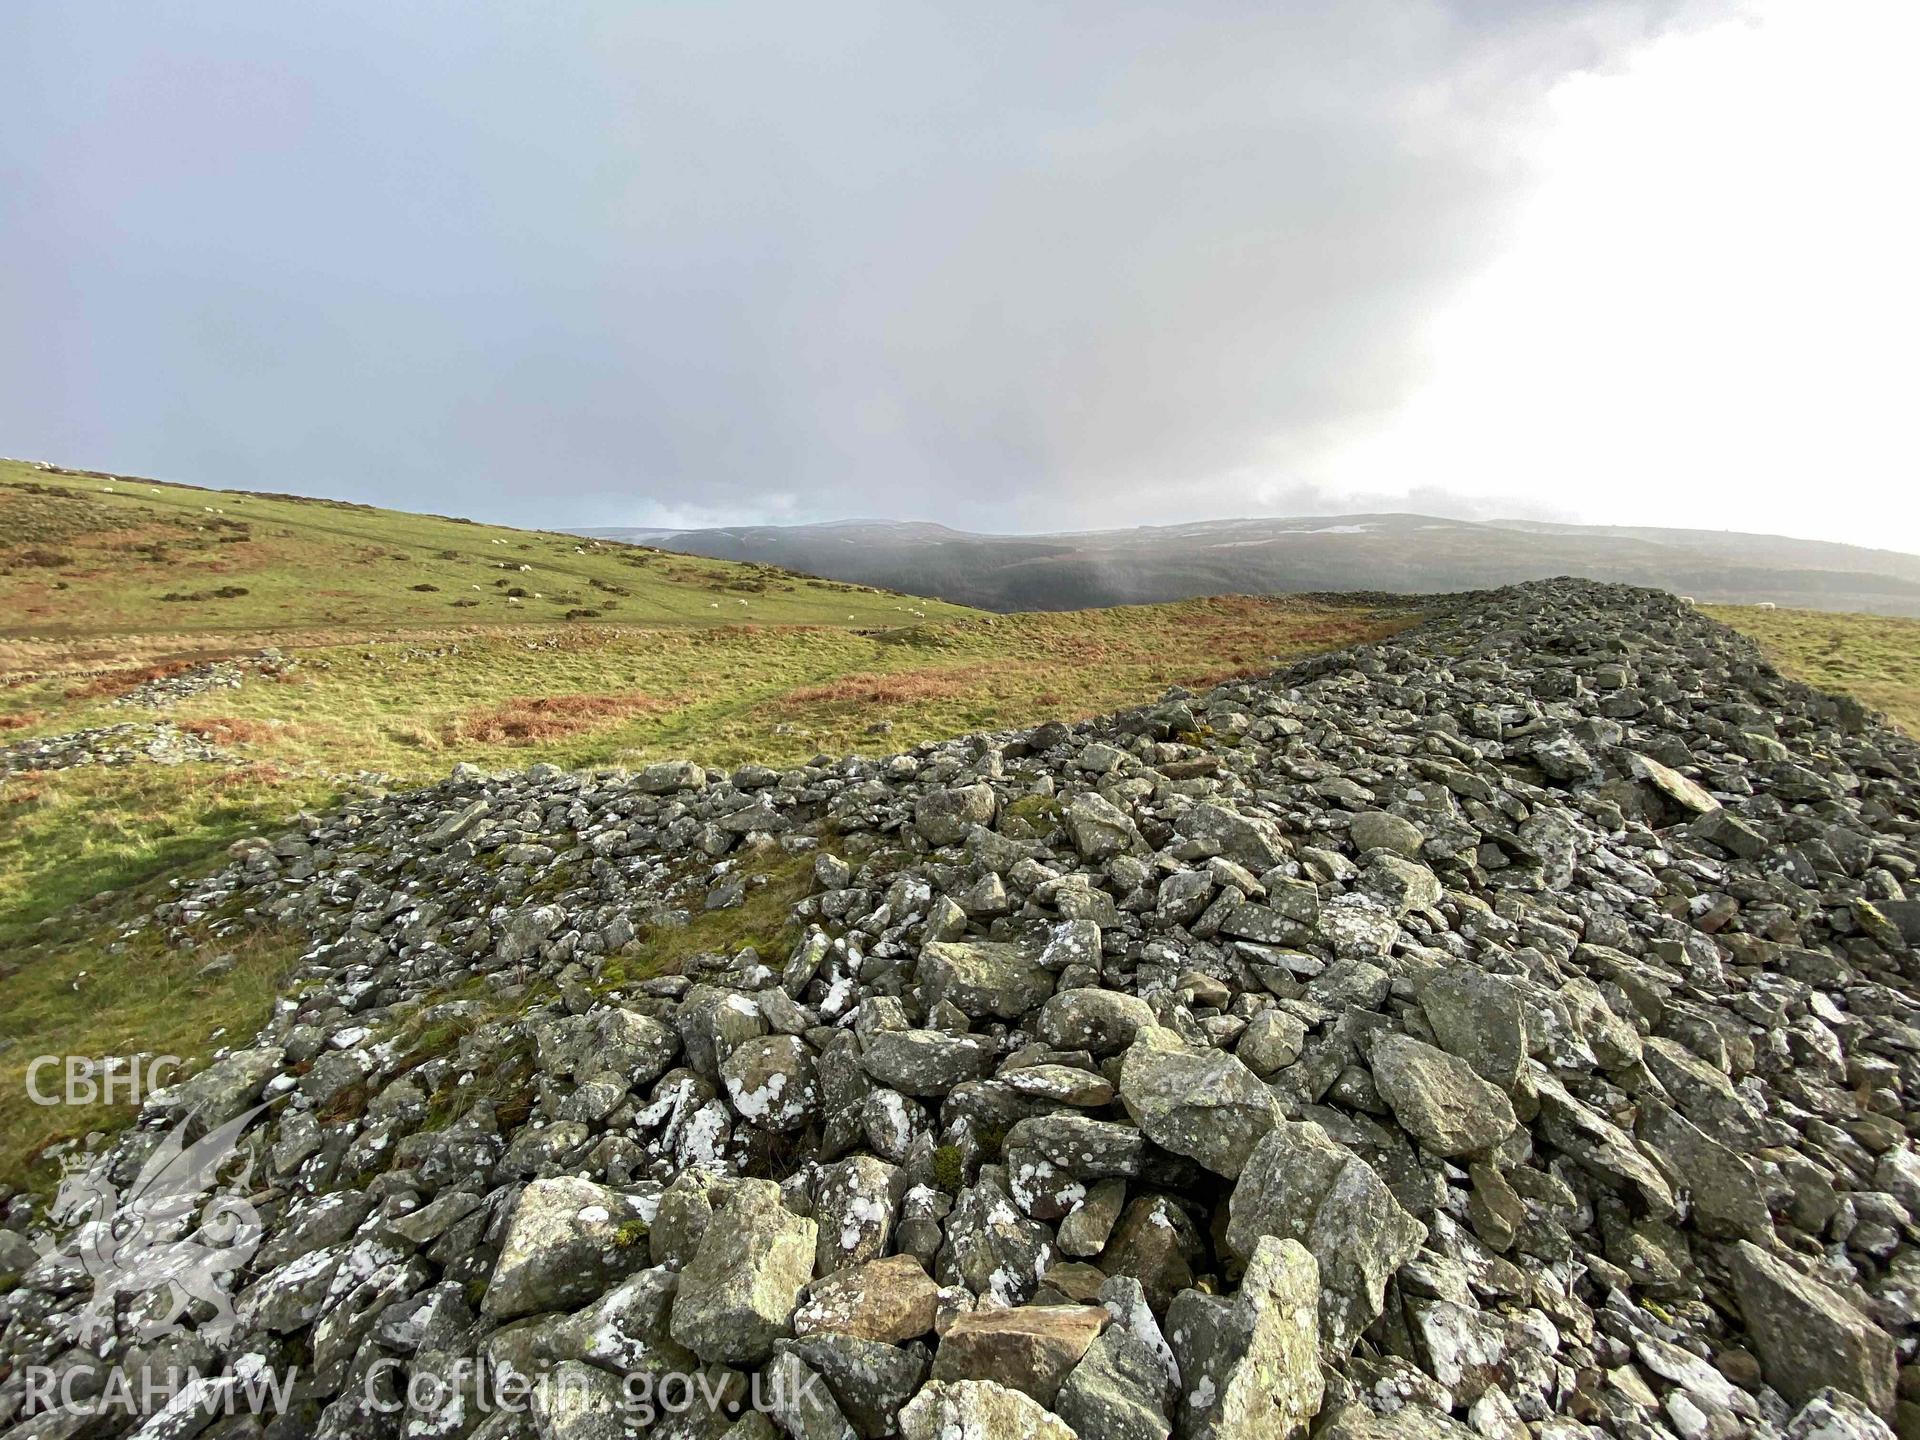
[1300,1184]
[713,1023]
[1079,1145]
[634,1048]
[772,1082]
[1253,841]
[681,1217]
[1836,1415]
[667,776]
[1060,1085]
[568,1240]
[1415,1421]
[1808,1335]
[1250,1365]
[1272,1041]
[871,1380]
[978,1410]
[943,817]
[738,1295]
[1438,1098]
[1728,1199]
[1400,884]
[1085,1229]
[802,1404]
[924,1062]
[1195,1101]
[984,978]
[1597,1144]
[1100,1021]
[991,1248]
[1357,927]
[1719,826]
[1156,1243]
[1118,1391]
[574,1401]
[853,1207]
[1480,1018]
[1099,828]
[1685,793]
[1704,1094]
[223,1091]
[1379,830]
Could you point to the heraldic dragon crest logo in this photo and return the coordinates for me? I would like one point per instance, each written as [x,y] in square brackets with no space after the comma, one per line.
[161,1246]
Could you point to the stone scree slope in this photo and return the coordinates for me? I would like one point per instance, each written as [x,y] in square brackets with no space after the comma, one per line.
[1507,1030]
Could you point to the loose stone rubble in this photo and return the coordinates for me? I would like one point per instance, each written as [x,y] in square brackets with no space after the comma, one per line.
[126,744]
[135,742]
[1505,1030]
[229,674]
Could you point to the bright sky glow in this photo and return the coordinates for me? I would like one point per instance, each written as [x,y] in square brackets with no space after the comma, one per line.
[1706,316]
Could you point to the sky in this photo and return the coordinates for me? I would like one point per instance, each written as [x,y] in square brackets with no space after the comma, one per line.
[1004,266]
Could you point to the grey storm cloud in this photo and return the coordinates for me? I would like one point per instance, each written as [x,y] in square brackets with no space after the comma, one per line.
[999,265]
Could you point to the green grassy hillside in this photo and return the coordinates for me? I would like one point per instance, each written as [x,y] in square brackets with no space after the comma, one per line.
[1874,658]
[84,555]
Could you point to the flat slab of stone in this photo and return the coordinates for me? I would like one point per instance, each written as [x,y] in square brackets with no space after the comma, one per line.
[1030,1348]
[891,1300]
[567,1241]
[1196,1101]
[1808,1336]
[1438,1098]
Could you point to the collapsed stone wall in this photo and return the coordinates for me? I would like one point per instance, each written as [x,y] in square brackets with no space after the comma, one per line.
[1507,1030]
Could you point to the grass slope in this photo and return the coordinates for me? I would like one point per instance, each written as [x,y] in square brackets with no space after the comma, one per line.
[85,556]
[1874,658]
[396,684]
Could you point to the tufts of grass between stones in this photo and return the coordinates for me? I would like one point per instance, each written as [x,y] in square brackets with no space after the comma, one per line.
[672,666]
[92,990]
[498,1066]
[1873,658]
[74,841]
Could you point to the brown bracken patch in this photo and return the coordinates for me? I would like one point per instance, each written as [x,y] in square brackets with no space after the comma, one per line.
[115,683]
[899,688]
[235,730]
[529,719]
[241,777]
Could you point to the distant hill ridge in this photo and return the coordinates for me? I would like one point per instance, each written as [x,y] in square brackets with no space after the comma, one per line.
[1406,554]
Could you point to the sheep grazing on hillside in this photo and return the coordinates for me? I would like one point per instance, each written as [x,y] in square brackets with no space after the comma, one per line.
[1766,605]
